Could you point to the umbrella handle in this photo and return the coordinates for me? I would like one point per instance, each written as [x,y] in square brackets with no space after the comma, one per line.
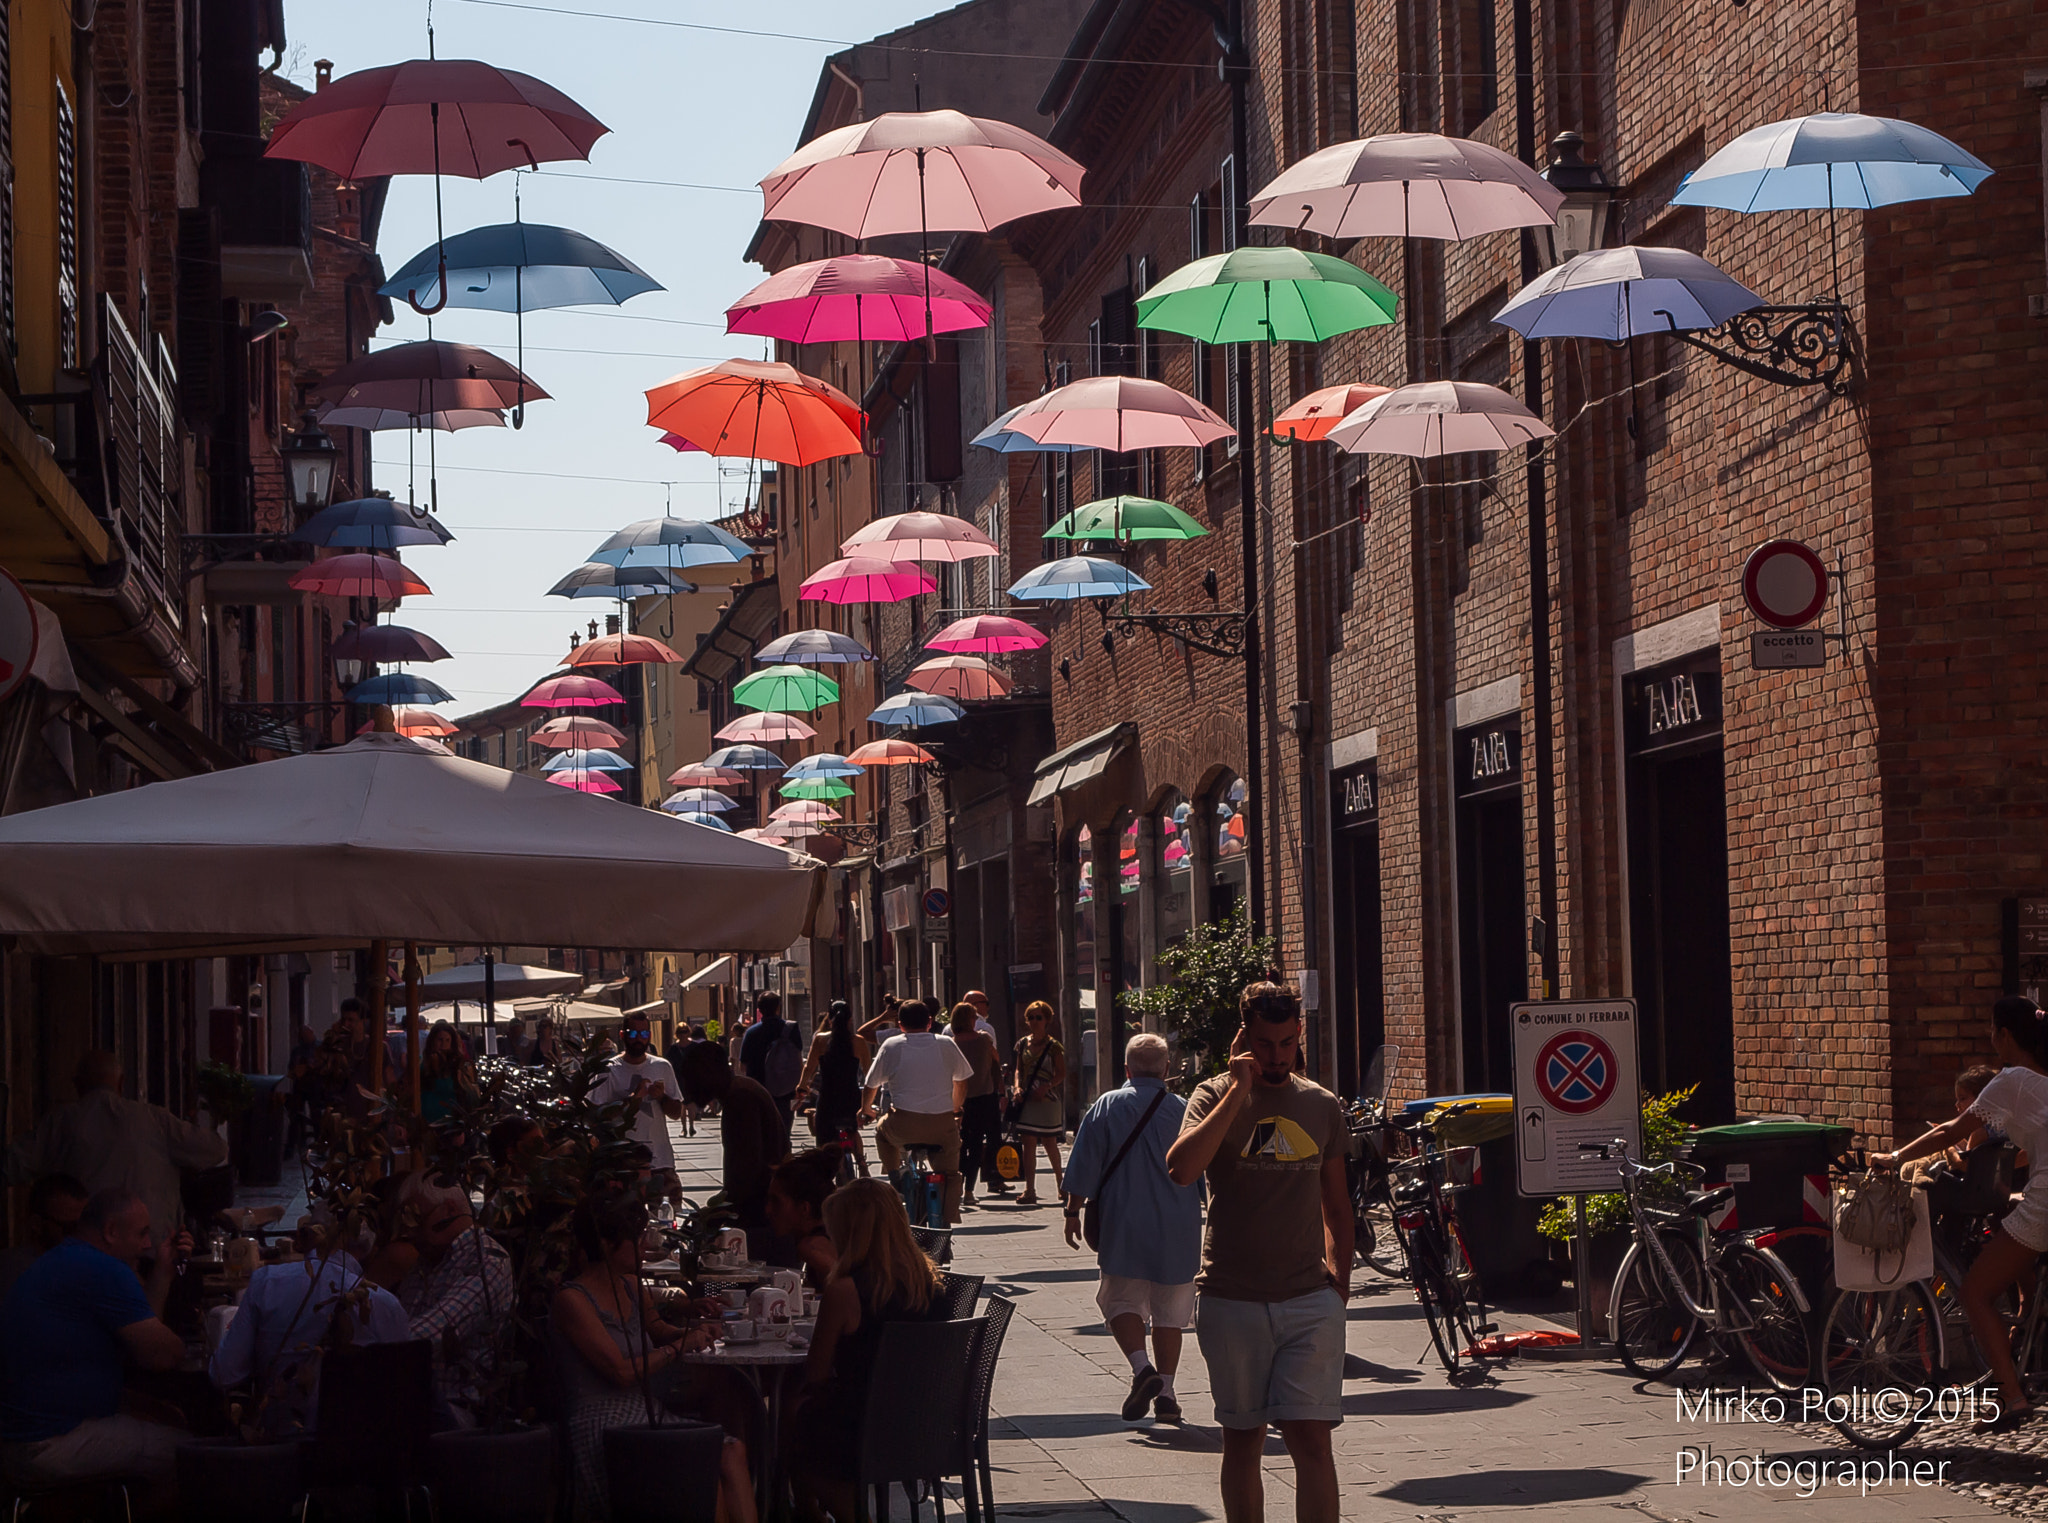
[412,298]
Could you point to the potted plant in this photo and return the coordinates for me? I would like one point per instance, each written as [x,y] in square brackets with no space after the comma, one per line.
[1608,1227]
[1207,971]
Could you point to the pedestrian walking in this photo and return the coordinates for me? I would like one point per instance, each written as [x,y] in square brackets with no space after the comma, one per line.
[1148,1229]
[772,1056]
[637,1074]
[1037,1113]
[1276,1257]
[927,1078]
[750,1135]
[831,1077]
[981,1108]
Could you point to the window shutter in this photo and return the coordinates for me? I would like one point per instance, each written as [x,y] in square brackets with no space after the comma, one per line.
[67,230]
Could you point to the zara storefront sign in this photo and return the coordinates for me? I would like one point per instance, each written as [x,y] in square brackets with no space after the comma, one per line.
[1357,796]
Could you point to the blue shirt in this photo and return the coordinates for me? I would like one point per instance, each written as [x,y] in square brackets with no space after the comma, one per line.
[1151,1227]
[61,1328]
[286,1311]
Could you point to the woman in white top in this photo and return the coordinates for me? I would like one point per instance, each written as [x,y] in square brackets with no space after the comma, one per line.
[2016,1102]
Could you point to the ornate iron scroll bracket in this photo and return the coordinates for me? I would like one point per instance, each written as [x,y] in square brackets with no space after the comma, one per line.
[861,837]
[1813,345]
[1217,634]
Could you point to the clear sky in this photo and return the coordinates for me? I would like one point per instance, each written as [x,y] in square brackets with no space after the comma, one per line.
[707,103]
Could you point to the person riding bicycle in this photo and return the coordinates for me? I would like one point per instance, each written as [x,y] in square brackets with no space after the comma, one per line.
[927,1077]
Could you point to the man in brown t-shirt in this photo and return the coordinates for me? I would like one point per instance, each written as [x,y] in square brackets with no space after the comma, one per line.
[1276,1256]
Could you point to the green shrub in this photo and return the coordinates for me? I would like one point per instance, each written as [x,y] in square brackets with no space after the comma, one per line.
[1207,970]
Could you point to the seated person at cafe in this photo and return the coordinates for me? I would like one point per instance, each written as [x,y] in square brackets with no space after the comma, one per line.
[797,1191]
[882,1277]
[616,1355]
[70,1327]
[55,1202]
[288,1313]
[457,1291]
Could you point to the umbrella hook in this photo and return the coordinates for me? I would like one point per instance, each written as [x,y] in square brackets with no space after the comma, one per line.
[412,298]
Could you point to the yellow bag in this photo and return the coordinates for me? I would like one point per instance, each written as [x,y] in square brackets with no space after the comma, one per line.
[1009,1162]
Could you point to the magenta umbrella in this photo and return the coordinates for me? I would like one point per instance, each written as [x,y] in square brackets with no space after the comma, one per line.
[765,730]
[865,579]
[987,633]
[681,445]
[858,297]
[583,780]
[921,537]
[573,692]
[1119,413]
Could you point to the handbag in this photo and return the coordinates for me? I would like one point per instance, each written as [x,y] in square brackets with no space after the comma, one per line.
[1016,1107]
[1864,1269]
[1874,1211]
[1091,1212]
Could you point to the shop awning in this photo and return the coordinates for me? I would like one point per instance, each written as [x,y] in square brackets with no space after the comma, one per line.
[1083,760]
[705,973]
[649,1008]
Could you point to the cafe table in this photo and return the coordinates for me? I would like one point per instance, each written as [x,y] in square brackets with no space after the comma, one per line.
[765,1364]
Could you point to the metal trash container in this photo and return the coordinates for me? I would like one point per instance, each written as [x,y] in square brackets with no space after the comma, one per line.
[1779,1170]
[1496,1221]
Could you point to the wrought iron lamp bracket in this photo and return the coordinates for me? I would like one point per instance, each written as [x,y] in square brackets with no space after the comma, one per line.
[1218,633]
[200,553]
[1811,345]
[862,837]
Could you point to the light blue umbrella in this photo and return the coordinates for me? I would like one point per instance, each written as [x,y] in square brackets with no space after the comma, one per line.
[1615,294]
[917,709]
[696,818]
[745,759]
[701,800]
[399,687]
[671,542]
[594,579]
[826,764]
[1078,576]
[1833,160]
[998,437]
[372,523]
[592,761]
[813,647]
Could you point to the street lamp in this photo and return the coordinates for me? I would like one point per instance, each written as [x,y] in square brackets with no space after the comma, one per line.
[1581,224]
[309,461]
[348,670]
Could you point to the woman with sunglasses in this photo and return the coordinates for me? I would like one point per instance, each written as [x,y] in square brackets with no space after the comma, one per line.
[1038,1114]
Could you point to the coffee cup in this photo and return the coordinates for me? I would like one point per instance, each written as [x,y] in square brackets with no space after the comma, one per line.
[733,1298]
[739,1330]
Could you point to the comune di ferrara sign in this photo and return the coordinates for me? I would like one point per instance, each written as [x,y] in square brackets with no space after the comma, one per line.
[1576,1081]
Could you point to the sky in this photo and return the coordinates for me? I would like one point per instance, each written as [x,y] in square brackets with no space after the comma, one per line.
[700,109]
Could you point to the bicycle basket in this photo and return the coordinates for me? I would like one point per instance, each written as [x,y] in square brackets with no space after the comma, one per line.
[1461,1168]
[1409,1182]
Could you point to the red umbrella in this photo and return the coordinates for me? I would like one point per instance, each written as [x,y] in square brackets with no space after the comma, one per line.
[1320,411]
[429,376]
[759,410]
[987,632]
[386,642]
[577,732]
[622,650]
[574,691]
[359,576]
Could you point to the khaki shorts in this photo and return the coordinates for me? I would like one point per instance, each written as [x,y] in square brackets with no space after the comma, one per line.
[1274,1361]
[1156,1304]
[116,1447]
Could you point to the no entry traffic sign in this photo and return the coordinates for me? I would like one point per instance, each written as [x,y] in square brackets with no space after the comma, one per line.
[1785,584]
[1575,1082]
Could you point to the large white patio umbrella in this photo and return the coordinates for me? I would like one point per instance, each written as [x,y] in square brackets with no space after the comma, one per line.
[509,981]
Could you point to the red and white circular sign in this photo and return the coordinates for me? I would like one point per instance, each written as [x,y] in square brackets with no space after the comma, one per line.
[1785,584]
[17,635]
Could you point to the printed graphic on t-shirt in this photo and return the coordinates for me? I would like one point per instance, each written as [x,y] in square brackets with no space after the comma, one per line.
[1277,1140]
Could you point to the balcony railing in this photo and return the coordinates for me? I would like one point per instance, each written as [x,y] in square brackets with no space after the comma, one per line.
[136,389]
[263,203]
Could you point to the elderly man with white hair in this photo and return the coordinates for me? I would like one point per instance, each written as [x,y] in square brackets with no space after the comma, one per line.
[458,1295]
[1149,1243]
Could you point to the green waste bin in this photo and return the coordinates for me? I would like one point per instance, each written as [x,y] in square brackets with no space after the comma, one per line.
[1779,1170]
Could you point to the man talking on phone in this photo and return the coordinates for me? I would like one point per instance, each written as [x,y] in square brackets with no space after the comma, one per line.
[1276,1256]
[636,1074]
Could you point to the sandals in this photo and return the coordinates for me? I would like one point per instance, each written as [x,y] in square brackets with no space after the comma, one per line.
[1028,1198]
[2007,1421]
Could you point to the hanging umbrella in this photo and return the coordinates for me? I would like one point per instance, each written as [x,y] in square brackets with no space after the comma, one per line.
[815,647]
[574,691]
[385,643]
[1616,294]
[701,800]
[862,297]
[1432,418]
[622,650]
[744,758]
[378,419]
[987,634]
[890,753]
[825,764]
[1118,412]
[865,579]
[1407,185]
[805,812]
[1126,518]
[573,730]
[359,576]
[399,687]
[1832,159]
[822,788]
[1254,295]
[757,410]
[426,376]
[760,729]
[1320,411]
[372,523]
[594,579]
[670,543]
[785,690]
[968,678]
[697,817]
[921,537]
[703,775]
[681,445]
[1078,576]
[587,761]
[917,709]
[583,781]
[419,723]
[1004,440]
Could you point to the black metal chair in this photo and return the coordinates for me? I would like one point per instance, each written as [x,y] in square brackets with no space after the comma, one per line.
[992,1326]
[913,1431]
[958,1293]
[375,1401]
[665,1474]
[66,1498]
[936,1242]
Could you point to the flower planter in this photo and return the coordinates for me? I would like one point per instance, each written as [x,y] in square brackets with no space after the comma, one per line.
[224,1480]
[485,1477]
[1604,1253]
[667,1474]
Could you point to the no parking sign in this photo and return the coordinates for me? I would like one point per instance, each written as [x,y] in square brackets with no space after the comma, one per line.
[1575,1082]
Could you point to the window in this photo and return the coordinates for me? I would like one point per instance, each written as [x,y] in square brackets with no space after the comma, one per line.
[1227,866]
[1172,875]
[1337,79]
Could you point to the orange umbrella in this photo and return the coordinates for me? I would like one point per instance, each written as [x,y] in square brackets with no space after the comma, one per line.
[757,410]
[359,576]
[1320,411]
[416,723]
[889,753]
[622,650]
[963,677]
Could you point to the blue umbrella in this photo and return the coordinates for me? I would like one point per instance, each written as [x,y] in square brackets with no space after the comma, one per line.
[594,579]
[1832,160]
[399,687]
[694,817]
[1078,576]
[814,647]
[998,437]
[826,764]
[1615,294]
[700,800]
[592,760]
[372,523]
[745,759]
[671,542]
[916,709]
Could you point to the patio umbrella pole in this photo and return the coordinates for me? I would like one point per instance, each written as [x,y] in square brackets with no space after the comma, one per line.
[490,1001]
[412,1031]
[380,957]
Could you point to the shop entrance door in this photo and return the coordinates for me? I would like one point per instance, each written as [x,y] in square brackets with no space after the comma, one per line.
[1357,1003]
[1493,968]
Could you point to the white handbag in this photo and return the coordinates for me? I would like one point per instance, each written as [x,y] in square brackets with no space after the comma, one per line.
[1862,1269]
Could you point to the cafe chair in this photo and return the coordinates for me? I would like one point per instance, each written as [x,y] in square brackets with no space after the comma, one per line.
[917,1438]
[377,1400]
[958,1293]
[663,1474]
[992,1326]
[67,1500]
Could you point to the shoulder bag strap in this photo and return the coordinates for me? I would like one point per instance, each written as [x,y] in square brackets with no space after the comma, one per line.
[1136,1132]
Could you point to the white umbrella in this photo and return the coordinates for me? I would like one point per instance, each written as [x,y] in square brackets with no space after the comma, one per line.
[1407,185]
[1439,418]
[1615,294]
[510,980]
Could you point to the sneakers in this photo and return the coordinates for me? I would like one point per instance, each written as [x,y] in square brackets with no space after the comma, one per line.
[1166,1409]
[1145,1385]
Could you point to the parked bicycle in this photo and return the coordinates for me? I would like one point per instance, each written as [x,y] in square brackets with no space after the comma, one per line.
[1369,1167]
[1425,1221]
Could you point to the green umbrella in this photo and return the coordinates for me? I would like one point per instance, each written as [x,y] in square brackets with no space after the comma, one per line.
[786,690]
[815,788]
[1262,294]
[1126,518]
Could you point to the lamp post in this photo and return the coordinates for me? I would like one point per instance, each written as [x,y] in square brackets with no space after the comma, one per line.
[310,457]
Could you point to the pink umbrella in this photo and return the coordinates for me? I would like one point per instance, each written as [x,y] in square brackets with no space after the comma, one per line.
[1431,418]
[1120,413]
[573,692]
[921,537]
[583,780]
[577,732]
[765,730]
[805,812]
[988,633]
[858,297]
[698,775]
[1407,185]
[681,445]
[965,677]
[865,579]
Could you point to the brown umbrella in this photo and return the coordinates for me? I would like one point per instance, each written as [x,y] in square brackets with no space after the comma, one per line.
[430,376]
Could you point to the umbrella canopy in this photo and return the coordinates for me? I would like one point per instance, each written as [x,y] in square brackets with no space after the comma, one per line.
[573,730]
[1118,412]
[521,267]
[826,764]
[420,724]
[373,840]
[1832,159]
[865,579]
[967,678]
[399,687]
[704,775]
[744,758]
[805,812]
[1407,185]
[509,980]
[757,410]
[1320,411]
[698,817]
[814,647]
[681,445]
[911,171]
[701,800]
[1253,295]
[1126,518]
[921,537]
[1619,293]
[359,576]
[587,760]
[821,788]
[759,729]
[583,780]
[574,691]
[386,642]
[670,542]
[863,297]
[384,121]
[622,650]
[447,421]
[916,709]
[429,375]
[1004,440]
[987,634]
[785,690]
[890,753]
[372,523]
[1078,576]
[1433,418]
[594,579]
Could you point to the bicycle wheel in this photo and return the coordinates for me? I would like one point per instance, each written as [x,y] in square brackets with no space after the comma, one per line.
[1653,1330]
[1778,1343]
[1375,1241]
[1878,1348]
[1442,1294]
